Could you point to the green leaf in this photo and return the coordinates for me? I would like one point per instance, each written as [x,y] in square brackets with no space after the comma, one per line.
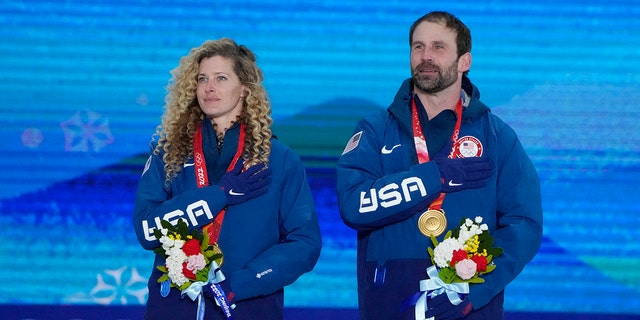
[434,241]
[162,269]
[494,251]
[197,235]
[185,285]
[183,229]
[202,275]
[204,243]
[157,233]
[486,238]
[164,278]
[447,275]
[476,279]
[456,231]
[160,251]
[216,257]
[167,225]
[209,254]
[490,268]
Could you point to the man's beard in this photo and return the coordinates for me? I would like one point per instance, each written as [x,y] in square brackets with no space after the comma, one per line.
[437,83]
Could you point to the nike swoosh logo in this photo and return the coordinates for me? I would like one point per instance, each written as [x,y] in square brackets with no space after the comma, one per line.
[188,165]
[233,193]
[453,184]
[388,151]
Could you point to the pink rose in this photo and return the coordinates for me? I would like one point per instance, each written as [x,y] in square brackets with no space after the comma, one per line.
[196,262]
[466,269]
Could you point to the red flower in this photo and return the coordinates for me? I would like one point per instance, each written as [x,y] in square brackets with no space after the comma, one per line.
[481,262]
[188,273]
[458,256]
[191,247]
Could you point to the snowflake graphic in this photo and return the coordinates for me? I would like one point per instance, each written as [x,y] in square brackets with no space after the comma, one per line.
[86,131]
[111,287]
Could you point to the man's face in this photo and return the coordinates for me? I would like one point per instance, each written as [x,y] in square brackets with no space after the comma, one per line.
[435,65]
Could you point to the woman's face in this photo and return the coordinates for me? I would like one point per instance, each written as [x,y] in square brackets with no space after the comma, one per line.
[220,92]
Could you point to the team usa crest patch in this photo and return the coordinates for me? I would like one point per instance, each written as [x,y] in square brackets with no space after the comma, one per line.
[467,147]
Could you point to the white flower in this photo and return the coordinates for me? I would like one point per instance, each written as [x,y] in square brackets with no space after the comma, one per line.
[465,235]
[178,243]
[176,252]
[174,266]
[169,243]
[443,252]
[484,227]
[478,219]
[468,222]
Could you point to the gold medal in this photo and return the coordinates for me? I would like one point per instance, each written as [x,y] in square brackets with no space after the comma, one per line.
[216,250]
[432,223]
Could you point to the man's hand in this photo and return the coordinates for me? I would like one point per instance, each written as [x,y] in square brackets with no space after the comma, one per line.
[462,173]
[442,309]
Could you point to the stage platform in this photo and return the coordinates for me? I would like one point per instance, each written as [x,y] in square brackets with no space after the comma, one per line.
[93,312]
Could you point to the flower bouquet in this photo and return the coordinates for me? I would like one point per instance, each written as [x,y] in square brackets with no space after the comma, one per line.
[465,254]
[189,255]
[191,264]
[459,260]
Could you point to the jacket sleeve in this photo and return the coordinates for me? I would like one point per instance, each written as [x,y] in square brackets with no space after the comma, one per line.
[371,196]
[519,218]
[300,241]
[155,201]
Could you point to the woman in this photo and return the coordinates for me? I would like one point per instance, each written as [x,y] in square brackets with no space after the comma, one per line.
[250,193]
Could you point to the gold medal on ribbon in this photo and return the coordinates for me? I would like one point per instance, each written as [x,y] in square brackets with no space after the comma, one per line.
[216,250]
[432,223]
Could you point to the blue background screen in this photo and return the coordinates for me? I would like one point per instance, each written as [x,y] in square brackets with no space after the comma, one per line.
[83,86]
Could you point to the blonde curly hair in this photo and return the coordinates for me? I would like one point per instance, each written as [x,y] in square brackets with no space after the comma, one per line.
[182,113]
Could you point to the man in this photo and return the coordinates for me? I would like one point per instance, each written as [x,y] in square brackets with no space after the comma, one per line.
[437,148]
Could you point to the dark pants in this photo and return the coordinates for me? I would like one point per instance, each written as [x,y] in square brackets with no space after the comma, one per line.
[402,280]
[174,307]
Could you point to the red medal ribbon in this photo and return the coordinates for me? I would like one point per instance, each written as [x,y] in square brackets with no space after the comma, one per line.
[202,178]
[421,143]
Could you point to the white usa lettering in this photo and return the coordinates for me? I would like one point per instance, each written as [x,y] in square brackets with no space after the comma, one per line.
[193,210]
[390,195]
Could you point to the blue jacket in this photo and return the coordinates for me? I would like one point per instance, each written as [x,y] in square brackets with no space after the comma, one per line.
[375,176]
[267,242]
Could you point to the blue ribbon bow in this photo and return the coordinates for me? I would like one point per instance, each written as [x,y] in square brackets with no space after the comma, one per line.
[435,286]
[194,291]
